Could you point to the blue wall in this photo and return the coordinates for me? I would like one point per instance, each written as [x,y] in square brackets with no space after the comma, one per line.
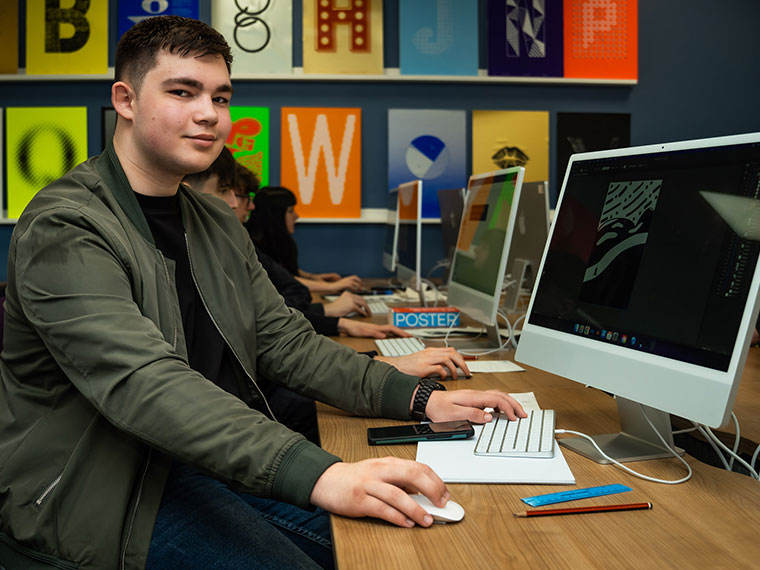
[697,78]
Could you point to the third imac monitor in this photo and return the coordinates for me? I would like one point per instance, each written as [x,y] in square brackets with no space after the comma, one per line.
[480,257]
[409,240]
[649,283]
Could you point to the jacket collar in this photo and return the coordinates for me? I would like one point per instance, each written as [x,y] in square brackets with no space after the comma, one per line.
[116,181]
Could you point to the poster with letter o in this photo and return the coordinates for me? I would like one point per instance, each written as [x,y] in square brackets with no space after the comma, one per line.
[42,144]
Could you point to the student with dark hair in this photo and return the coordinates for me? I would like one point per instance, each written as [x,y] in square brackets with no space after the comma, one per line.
[272,225]
[138,322]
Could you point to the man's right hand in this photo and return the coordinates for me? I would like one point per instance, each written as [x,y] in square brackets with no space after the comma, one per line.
[380,488]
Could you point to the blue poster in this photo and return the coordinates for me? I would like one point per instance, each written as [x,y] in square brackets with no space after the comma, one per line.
[438,37]
[429,145]
[525,38]
[132,11]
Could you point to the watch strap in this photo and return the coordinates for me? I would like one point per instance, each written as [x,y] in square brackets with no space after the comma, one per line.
[424,389]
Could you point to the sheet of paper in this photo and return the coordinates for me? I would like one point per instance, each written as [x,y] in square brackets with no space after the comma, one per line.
[494,366]
[455,462]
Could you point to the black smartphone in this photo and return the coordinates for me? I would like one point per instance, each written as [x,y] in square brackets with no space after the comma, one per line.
[460,429]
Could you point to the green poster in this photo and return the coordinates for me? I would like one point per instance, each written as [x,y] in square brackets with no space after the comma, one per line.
[42,144]
[249,140]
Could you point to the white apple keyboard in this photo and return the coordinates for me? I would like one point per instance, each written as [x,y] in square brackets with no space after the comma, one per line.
[399,346]
[525,437]
[378,307]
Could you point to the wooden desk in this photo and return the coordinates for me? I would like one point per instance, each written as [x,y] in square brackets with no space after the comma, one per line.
[710,521]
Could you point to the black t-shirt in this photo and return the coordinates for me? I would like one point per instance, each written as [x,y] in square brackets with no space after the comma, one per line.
[207,351]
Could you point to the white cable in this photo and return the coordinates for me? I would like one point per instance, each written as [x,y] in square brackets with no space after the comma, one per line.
[631,471]
[752,472]
[502,346]
[737,440]
[424,282]
[754,456]
[712,443]
[685,430]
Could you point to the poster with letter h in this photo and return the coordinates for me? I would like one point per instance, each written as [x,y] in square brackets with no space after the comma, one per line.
[343,36]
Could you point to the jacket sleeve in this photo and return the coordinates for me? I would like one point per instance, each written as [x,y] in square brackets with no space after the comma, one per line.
[76,289]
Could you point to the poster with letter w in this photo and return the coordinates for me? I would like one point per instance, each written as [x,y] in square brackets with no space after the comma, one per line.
[260,33]
[320,160]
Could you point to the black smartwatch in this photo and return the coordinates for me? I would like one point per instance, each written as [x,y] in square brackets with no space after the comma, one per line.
[425,388]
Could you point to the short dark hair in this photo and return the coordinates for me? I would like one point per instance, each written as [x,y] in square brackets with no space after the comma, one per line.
[223,166]
[138,49]
[246,180]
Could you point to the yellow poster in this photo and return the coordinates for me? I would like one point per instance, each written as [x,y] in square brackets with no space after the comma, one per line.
[320,160]
[42,144]
[501,139]
[66,36]
[343,36]
[9,36]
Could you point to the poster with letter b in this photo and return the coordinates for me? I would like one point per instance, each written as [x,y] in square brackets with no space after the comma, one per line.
[68,37]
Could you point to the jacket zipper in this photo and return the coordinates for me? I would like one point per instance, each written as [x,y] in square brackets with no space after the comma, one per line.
[48,490]
[205,306]
[134,511]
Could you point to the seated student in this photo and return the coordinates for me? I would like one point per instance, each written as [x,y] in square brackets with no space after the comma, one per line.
[272,225]
[434,361]
[138,323]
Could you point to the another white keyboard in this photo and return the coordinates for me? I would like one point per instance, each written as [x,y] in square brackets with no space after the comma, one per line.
[378,307]
[526,437]
[398,346]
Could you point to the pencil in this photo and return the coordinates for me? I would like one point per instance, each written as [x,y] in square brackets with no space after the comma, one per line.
[469,357]
[581,510]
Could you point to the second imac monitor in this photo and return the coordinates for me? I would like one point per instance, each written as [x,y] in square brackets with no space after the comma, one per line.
[480,258]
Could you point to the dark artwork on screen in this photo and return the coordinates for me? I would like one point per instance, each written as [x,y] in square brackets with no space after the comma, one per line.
[621,237]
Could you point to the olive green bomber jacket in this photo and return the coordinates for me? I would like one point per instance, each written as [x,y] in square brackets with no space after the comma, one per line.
[96,395]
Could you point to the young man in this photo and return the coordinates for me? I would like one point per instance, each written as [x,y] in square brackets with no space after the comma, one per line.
[119,447]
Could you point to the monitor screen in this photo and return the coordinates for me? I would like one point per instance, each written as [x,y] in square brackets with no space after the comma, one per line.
[648,284]
[391,231]
[480,258]
[528,242]
[409,241]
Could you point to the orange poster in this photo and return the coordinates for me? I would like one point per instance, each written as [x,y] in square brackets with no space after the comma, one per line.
[601,39]
[343,36]
[9,37]
[320,160]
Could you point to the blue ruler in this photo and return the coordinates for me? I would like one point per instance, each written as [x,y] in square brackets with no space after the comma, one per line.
[575,494]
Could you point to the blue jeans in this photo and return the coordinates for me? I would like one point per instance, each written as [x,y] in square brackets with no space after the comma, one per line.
[203,523]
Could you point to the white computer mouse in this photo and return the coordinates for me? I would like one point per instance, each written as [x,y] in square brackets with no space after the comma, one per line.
[452,512]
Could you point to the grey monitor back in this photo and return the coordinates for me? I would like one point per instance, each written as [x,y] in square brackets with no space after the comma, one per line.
[451,201]
[528,241]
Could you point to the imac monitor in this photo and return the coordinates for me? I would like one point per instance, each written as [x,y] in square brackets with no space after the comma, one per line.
[528,241]
[480,258]
[391,232]
[409,242]
[648,285]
